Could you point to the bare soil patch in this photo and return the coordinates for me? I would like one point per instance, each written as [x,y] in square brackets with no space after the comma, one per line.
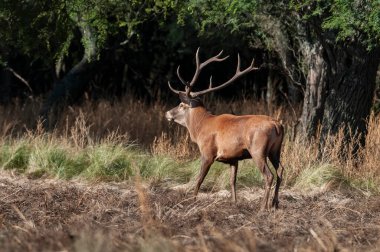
[56,215]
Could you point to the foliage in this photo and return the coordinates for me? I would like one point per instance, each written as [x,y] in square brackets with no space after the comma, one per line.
[162,27]
[47,31]
[44,30]
[139,43]
[226,15]
[356,20]
[349,20]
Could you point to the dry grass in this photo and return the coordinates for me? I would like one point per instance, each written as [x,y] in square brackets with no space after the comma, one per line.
[54,215]
[362,171]
[143,123]
[133,123]
[327,203]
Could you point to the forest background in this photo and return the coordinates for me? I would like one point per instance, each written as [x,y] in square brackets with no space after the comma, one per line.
[83,92]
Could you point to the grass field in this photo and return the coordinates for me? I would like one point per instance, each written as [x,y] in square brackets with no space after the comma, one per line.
[116,177]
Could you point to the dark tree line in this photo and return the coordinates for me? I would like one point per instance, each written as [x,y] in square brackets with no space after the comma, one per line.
[324,52]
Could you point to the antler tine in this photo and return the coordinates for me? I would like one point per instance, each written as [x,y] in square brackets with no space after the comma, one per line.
[253,62]
[197,69]
[172,89]
[237,75]
[212,59]
[181,79]
[210,86]
[197,58]
[200,66]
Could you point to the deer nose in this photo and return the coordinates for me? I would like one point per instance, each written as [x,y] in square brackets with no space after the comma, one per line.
[169,116]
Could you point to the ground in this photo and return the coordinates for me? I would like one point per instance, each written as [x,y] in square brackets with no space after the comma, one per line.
[57,215]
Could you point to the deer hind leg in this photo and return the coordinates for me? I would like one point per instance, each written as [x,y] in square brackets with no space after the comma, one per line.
[234,168]
[268,176]
[205,167]
[275,160]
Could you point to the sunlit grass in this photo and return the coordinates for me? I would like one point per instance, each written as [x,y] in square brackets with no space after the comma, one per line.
[97,146]
[38,156]
[320,176]
[15,156]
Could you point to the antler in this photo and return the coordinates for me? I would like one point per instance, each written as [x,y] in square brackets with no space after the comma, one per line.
[181,79]
[172,89]
[200,66]
[238,74]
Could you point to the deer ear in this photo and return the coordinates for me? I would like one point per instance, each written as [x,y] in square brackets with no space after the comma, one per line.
[184,98]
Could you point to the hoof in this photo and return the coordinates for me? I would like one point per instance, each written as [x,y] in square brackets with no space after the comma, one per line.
[275,204]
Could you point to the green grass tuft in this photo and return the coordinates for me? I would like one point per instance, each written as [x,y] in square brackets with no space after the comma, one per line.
[16,157]
[42,156]
[109,163]
[113,161]
[249,174]
[320,176]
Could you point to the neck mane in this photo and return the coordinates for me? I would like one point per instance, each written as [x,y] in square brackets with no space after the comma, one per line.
[194,121]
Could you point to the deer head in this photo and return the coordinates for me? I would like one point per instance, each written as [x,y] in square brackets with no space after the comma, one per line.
[190,99]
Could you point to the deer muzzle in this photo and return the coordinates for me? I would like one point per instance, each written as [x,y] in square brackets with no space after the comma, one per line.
[169,116]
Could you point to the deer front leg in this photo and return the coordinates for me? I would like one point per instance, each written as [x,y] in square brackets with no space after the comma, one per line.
[205,167]
[234,168]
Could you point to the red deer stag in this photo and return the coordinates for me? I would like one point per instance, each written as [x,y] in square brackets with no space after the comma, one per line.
[229,138]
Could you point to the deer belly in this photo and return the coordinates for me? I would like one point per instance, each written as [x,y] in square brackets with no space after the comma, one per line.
[227,156]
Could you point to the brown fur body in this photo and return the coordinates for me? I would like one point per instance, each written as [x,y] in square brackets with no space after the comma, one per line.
[228,138]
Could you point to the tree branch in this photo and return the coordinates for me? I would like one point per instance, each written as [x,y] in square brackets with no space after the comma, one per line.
[20,78]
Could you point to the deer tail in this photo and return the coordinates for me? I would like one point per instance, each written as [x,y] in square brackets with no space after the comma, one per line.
[279,128]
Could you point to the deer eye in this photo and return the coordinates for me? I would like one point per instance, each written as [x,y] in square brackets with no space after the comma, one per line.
[182,106]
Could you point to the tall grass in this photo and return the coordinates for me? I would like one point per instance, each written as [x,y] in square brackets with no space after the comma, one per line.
[108,142]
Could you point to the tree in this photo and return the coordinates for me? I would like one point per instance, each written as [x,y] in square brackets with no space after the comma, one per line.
[70,34]
[329,47]
[345,41]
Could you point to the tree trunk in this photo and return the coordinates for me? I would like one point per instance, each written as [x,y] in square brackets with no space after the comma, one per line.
[66,91]
[272,85]
[351,91]
[73,85]
[315,92]
[339,92]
